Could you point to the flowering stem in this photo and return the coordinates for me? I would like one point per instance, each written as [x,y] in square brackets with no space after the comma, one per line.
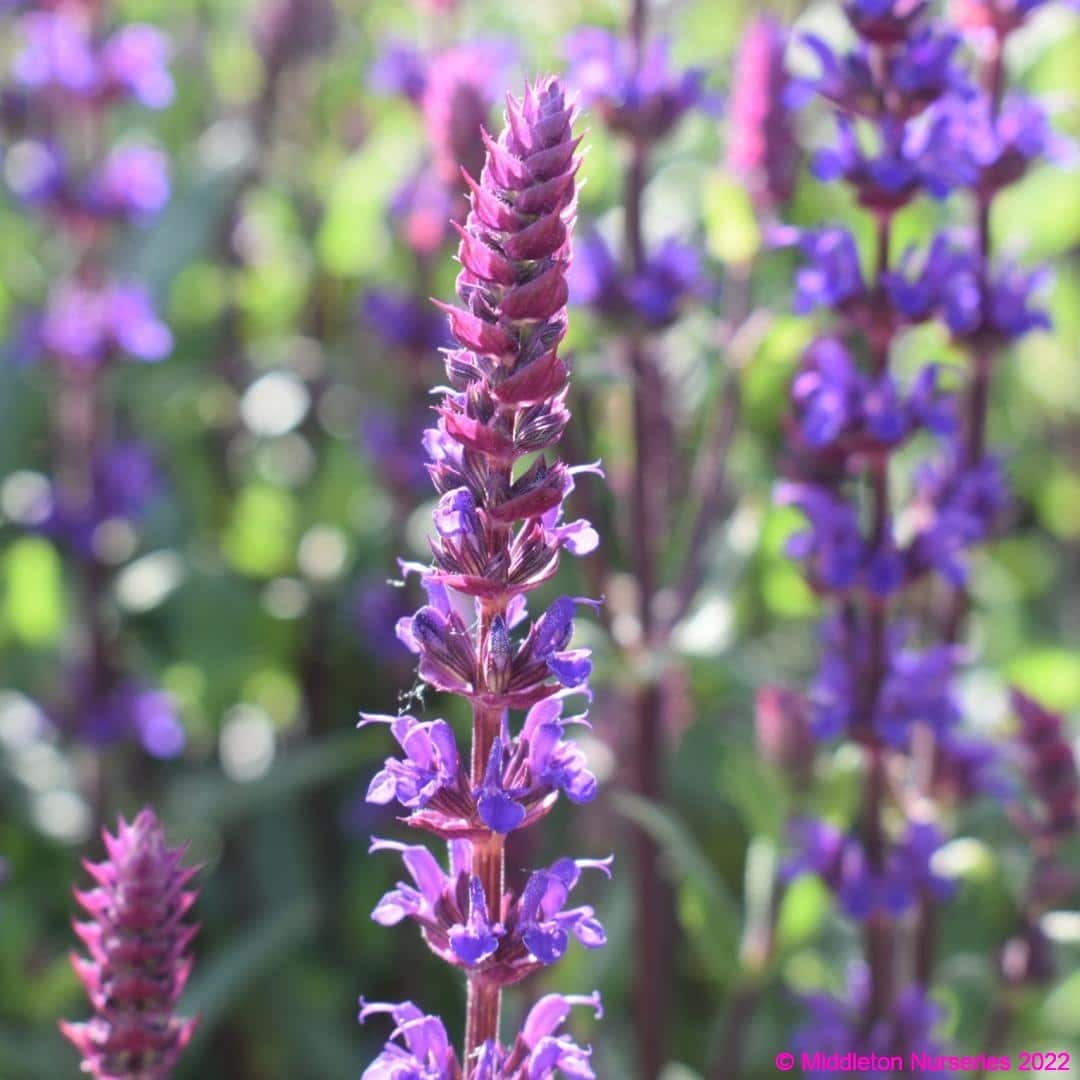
[484,1002]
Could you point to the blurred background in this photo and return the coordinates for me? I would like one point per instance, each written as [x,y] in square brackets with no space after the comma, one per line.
[205,635]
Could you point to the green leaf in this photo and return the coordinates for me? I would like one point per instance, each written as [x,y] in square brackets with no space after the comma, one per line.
[684,856]
[731,228]
[261,537]
[803,910]
[1061,1011]
[354,238]
[707,909]
[1051,674]
[220,801]
[231,974]
[34,603]
[755,789]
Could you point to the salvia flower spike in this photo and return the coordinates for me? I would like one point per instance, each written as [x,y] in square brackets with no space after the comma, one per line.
[936,130]
[138,942]
[498,533]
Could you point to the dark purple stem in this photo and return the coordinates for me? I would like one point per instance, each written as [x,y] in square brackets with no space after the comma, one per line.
[977,412]
[879,931]
[484,1001]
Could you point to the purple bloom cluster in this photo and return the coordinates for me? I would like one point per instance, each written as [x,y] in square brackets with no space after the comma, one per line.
[139,959]
[423,1047]
[911,122]
[87,327]
[498,534]
[948,282]
[671,277]
[840,860]
[522,777]
[532,931]
[72,67]
[62,53]
[642,99]
[834,1025]
[124,481]
[63,59]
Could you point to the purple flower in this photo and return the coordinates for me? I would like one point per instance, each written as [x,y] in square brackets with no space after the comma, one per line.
[907,159]
[405,321]
[998,147]
[541,920]
[836,555]
[671,274]
[87,327]
[131,710]
[458,925]
[57,53]
[135,61]
[839,407]
[833,277]
[645,100]
[975,301]
[836,1025]
[431,762]
[921,70]
[842,863]
[133,182]
[124,481]
[60,53]
[967,766]
[595,278]
[399,69]
[956,507]
[423,1049]
[139,958]
[914,689]
[521,780]
[539,1051]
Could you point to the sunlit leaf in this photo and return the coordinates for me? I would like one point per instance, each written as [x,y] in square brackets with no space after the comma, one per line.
[34,596]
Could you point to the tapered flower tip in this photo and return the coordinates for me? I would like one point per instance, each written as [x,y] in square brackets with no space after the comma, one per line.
[761,147]
[138,960]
